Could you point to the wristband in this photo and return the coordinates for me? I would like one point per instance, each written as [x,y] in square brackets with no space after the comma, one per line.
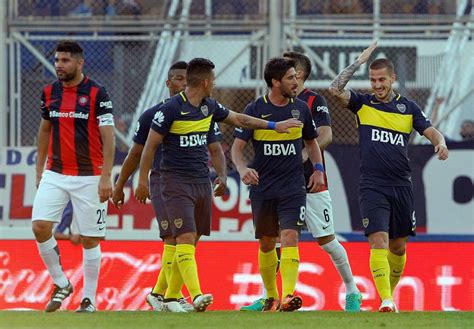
[271,125]
[318,166]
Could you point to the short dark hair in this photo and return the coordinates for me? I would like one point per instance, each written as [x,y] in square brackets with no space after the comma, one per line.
[181,65]
[302,62]
[72,47]
[382,63]
[198,70]
[276,68]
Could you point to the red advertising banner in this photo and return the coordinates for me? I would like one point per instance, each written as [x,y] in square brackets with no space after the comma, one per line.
[433,280]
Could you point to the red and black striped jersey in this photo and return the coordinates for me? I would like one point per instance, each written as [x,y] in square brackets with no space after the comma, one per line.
[320,112]
[75,145]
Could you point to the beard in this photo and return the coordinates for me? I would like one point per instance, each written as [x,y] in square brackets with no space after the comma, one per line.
[65,77]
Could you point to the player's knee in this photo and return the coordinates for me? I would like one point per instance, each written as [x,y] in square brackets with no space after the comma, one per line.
[42,230]
[325,239]
[378,240]
[289,238]
[169,240]
[267,243]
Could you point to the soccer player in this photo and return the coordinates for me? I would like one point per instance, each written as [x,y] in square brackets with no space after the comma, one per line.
[319,217]
[76,135]
[182,125]
[385,121]
[176,83]
[278,189]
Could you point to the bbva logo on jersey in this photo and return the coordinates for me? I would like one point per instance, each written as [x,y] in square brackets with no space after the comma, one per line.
[193,140]
[279,149]
[387,137]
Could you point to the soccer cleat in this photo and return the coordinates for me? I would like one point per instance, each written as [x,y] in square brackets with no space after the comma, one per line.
[271,305]
[201,302]
[255,306]
[291,303]
[353,302]
[57,297]
[173,306]
[388,306]
[86,306]
[155,301]
[188,307]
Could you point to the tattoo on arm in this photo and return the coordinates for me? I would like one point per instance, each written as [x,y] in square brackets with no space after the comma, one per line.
[338,84]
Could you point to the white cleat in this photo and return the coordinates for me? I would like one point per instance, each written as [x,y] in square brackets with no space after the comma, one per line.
[188,307]
[174,307]
[388,306]
[202,302]
[155,302]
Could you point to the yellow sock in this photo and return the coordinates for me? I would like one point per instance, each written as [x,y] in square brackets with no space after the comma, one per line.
[165,272]
[188,268]
[175,282]
[381,272]
[397,265]
[289,264]
[267,263]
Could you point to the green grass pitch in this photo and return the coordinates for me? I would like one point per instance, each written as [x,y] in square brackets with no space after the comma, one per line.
[235,319]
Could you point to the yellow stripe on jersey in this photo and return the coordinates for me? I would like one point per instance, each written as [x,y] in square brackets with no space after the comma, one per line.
[272,135]
[183,96]
[181,127]
[393,121]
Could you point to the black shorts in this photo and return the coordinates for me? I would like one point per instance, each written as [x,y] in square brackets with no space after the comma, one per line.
[273,215]
[388,209]
[188,206]
[159,206]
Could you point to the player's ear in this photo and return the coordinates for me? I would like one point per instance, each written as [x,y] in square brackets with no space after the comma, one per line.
[394,77]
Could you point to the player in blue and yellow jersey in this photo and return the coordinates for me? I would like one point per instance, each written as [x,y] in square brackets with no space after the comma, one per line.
[176,83]
[385,121]
[182,125]
[319,215]
[278,189]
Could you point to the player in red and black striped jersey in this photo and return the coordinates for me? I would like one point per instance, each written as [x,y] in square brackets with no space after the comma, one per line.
[76,135]
[319,217]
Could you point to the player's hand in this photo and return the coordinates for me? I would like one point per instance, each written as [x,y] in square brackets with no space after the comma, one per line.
[442,151]
[118,197]
[365,55]
[316,181]
[220,185]
[105,188]
[142,193]
[284,126]
[249,176]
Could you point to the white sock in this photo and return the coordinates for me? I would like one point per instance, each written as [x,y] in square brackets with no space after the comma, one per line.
[49,252]
[91,267]
[341,262]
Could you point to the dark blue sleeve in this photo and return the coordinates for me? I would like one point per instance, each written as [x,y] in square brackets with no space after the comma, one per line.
[420,121]
[355,102]
[143,126]
[245,134]
[44,107]
[220,112]
[163,119]
[320,112]
[103,102]
[214,134]
[309,128]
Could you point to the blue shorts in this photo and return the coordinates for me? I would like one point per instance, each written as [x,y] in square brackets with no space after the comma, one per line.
[388,209]
[159,205]
[273,215]
[188,206]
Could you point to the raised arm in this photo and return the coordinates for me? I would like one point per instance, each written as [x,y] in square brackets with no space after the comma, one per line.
[153,141]
[337,87]
[249,122]
[437,140]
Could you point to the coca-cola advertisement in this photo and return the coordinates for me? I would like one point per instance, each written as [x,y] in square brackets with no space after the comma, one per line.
[433,280]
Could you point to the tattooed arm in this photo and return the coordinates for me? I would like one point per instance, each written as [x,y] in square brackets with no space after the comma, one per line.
[337,85]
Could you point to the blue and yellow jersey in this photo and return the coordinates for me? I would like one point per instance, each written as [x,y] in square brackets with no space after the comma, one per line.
[278,158]
[186,130]
[384,132]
